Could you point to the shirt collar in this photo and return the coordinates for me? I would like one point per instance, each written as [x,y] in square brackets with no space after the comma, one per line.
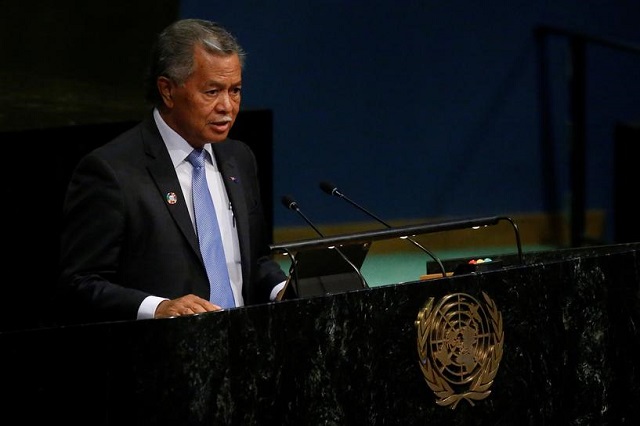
[177,146]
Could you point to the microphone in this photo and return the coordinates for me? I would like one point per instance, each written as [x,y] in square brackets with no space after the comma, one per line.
[331,189]
[291,204]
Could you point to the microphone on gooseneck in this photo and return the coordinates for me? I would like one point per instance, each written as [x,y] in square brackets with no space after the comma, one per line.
[291,204]
[331,189]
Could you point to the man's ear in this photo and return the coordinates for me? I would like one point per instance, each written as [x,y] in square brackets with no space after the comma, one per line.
[165,87]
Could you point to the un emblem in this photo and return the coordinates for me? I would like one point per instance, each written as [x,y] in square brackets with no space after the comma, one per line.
[459,347]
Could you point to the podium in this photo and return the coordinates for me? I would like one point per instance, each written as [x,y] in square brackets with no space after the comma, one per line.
[568,336]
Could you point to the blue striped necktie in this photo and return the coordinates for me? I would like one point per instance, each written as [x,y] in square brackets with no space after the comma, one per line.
[208,233]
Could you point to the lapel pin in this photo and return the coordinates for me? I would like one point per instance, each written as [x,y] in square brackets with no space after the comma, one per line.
[171,197]
[234,179]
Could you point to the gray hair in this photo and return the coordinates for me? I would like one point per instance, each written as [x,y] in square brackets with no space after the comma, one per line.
[172,53]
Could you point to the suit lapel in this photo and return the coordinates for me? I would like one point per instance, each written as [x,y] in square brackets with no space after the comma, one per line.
[163,173]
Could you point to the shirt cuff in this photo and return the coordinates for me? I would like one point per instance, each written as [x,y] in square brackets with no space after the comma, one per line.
[276,290]
[148,307]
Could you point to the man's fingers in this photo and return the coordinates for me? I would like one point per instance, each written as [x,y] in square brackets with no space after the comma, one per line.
[185,305]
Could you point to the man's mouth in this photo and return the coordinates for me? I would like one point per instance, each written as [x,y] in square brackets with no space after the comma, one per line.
[222,124]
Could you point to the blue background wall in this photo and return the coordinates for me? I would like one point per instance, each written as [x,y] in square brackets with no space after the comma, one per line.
[428,109]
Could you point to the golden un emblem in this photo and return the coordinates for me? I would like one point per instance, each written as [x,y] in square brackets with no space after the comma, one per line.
[459,347]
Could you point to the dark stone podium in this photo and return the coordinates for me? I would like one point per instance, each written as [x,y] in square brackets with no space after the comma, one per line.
[568,335]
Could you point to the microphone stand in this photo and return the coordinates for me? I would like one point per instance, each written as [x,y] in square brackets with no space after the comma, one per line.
[332,190]
[291,204]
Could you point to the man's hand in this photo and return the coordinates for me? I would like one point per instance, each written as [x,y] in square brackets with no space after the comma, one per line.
[185,305]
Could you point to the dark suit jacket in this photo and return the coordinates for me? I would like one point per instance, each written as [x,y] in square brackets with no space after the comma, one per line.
[123,238]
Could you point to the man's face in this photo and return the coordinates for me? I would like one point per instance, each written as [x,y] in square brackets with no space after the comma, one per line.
[205,107]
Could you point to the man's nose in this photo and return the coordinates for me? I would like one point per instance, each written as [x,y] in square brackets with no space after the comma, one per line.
[224,101]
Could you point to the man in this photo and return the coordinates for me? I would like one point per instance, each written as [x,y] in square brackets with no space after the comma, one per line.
[129,247]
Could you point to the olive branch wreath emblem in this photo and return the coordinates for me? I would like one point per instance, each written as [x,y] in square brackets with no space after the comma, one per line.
[459,347]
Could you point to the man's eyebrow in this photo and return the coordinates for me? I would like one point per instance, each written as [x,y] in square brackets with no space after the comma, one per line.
[217,85]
